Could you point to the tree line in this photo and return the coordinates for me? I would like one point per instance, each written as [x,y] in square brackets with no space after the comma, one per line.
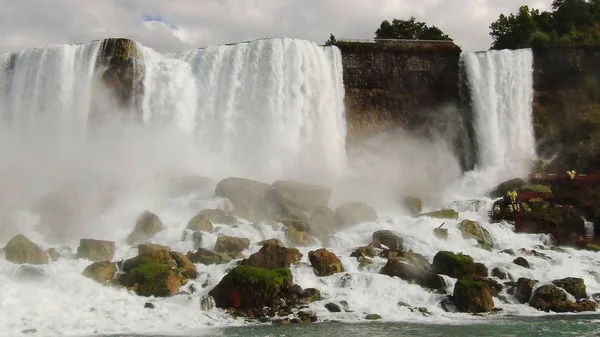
[570,22]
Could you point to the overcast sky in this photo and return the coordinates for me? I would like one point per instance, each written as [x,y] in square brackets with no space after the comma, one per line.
[173,25]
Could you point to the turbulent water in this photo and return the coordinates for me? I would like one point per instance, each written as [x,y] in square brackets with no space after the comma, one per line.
[269,108]
[501,86]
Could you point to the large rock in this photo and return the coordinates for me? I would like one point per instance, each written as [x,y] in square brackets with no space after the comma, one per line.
[389,239]
[322,222]
[101,272]
[208,257]
[251,199]
[21,250]
[354,213]
[157,273]
[297,238]
[146,226]
[272,256]
[232,246]
[510,185]
[96,250]
[418,275]
[149,247]
[442,214]
[524,289]
[473,230]
[454,265]
[572,285]
[325,262]
[252,287]
[204,220]
[304,196]
[413,205]
[473,295]
[551,298]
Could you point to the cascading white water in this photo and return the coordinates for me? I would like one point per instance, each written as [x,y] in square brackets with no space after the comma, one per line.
[267,106]
[48,89]
[501,86]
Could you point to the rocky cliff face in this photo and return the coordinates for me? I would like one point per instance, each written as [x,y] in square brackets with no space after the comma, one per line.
[566,107]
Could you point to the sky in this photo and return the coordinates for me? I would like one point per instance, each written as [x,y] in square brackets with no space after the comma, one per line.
[175,25]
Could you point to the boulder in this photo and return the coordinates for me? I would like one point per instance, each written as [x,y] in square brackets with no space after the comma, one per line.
[297,238]
[481,270]
[146,226]
[304,196]
[273,241]
[251,199]
[297,224]
[101,272]
[96,250]
[246,287]
[454,265]
[390,239]
[510,185]
[273,257]
[354,213]
[325,262]
[201,221]
[441,233]
[232,246]
[312,295]
[413,205]
[322,222]
[332,307]
[418,275]
[372,317]
[572,285]
[410,257]
[473,295]
[534,188]
[499,273]
[149,247]
[369,250]
[157,273]
[21,250]
[30,273]
[473,230]
[524,289]
[520,261]
[442,214]
[208,257]
[551,298]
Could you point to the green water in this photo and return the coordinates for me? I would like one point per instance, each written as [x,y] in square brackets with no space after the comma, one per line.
[548,326]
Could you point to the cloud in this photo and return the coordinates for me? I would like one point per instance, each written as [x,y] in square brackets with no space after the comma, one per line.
[184,24]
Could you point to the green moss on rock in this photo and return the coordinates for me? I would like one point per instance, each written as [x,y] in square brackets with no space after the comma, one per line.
[473,230]
[473,295]
[536,189]
[325,262]
[453,265]
[101,272]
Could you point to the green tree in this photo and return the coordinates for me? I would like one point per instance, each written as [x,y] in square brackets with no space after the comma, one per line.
[410,30]
[331,40]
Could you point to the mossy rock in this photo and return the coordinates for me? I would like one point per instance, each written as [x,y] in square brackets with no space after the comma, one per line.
[273,257]
[510,185]
[181,264]
[325,262]
[454,265]
[389,239]
[473,230]
[536,189]
[232,246]
[297,224]
[208,257]
[413,205]
[473,296]
[149,247]
[204,220]
[369,250]
[414,274]
[21,250]
[572,285]
[364,262]
[373,317]
[101,272]
[297,238]
[200,222]
[442,214]
[275,242]
[96,250]
[147,225]
[246,287]
[152,279]
[441,233]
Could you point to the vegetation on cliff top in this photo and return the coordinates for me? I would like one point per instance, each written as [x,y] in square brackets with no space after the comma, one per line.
[410,29]
[571,22]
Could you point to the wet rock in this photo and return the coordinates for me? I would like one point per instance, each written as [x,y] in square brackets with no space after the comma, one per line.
[413,205]
[307,316]
[207,303]
[149,247]
[21,250]
[30,273]
[208,257]
[322,222]
[53,254]
[390,239]
[246,287]
[101,272]
[96,250]
[441,233]
[369,250]
[551,298]
[157,273]
[572,285]
[373,317]
[454,265]
[28,331]
[510,185]
[251,199]
[447,304]
[232,246]
[332,307]
[508,252]
[473,295]
[473,230]
[354,213]
[442,214]
[275,242]
[418,275]
[273,257]
[200,223]
[364,262]
[146,226]
[325,262]
[524,289]
[149,305]
[205,217]
[534,253]
[297,224]
[312,295]
[301,195]
[520,261]
[499,273]
[297,238]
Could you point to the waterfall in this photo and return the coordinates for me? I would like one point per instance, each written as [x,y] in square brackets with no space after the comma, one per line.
[501,87]
[276,104]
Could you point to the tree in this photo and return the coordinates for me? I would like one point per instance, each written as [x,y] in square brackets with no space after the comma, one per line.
[409,30]
[331,40]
